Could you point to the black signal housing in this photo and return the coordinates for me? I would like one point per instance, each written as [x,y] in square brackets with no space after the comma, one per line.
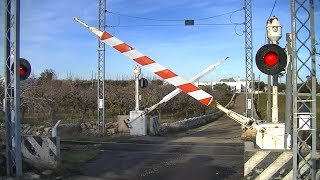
[271,59]
[24,69]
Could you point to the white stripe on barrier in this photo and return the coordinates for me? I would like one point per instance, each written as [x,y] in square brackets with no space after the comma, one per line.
[155,67]
[133,54]
[198,95]
[176,81]
[254,161]
[113,41]
[275,166]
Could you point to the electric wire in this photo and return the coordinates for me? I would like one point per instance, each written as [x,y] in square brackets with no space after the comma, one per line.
[154,19]
[236,24]
[166,25]
[274,4]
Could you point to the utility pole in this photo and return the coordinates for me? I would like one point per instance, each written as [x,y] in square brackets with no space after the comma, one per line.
[249,57]
[12,87]
[288,112]
[101,66]
[304,106]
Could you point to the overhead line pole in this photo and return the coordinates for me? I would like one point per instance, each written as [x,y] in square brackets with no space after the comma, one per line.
[304,81]
[101,67]
[12,88]
[249,57]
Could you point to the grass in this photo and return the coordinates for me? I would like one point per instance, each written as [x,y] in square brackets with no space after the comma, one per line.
[262,107]
[72,158]
[77,157]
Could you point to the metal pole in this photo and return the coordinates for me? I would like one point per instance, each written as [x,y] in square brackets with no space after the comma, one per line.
[288,112]
[101,66]
[303,78]
[249,57]
[12,88]
[295,159]
[313,92]
[258,91]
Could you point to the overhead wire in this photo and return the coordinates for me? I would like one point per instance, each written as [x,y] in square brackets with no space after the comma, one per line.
[274,5]
[159,25]
[154,19]
[236,24]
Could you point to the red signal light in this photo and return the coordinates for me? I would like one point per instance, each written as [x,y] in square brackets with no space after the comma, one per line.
[21,71]
[24,69]
[271,59]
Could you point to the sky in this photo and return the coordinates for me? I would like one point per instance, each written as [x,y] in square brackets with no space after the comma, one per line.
[51,39]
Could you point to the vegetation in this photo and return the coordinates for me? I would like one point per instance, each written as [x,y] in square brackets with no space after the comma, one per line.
[262,106]
[46,99]
[74,157]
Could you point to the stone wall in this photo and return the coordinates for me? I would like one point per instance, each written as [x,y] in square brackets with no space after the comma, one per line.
[192,122]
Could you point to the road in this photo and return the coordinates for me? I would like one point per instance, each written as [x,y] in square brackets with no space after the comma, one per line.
[213,151]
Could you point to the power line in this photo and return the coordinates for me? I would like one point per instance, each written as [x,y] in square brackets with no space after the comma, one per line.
[164,25]
[154,19]
[274,4]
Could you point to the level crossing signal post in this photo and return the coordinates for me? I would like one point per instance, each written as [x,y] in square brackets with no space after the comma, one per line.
[271,59]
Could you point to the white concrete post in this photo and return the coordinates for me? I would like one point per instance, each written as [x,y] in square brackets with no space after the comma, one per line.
[275,104]
[137,72]
[54,129]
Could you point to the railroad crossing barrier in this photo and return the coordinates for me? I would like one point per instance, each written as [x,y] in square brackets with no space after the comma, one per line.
[41,151]
[272,164]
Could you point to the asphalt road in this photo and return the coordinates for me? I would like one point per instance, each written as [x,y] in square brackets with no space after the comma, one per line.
[213,151]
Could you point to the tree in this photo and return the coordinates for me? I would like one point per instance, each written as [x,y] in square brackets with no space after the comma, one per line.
[47,75]
[221,87]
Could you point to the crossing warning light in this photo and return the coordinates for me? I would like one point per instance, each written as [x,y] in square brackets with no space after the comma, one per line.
[271,59]
[143,82]
[24,69]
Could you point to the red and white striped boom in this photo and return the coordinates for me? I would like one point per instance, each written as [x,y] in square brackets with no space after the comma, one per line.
[169,76]
[151,65]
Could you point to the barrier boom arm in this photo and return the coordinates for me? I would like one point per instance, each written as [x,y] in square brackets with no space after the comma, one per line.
[192,80]
[151,65]
[185,86]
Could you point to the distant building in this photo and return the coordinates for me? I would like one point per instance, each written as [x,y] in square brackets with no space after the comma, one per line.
[238,86]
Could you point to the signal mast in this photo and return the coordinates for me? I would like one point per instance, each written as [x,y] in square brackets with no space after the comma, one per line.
[271,59]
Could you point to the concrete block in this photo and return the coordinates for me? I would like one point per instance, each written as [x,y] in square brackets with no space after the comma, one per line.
[122,127]
[138,123]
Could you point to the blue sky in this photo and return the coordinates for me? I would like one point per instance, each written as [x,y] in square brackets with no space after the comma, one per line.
[51,39]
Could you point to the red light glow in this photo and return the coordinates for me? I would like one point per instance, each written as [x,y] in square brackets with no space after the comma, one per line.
[271,59]
[21,71]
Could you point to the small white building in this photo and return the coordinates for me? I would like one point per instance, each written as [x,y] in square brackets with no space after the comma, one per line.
[238,86]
